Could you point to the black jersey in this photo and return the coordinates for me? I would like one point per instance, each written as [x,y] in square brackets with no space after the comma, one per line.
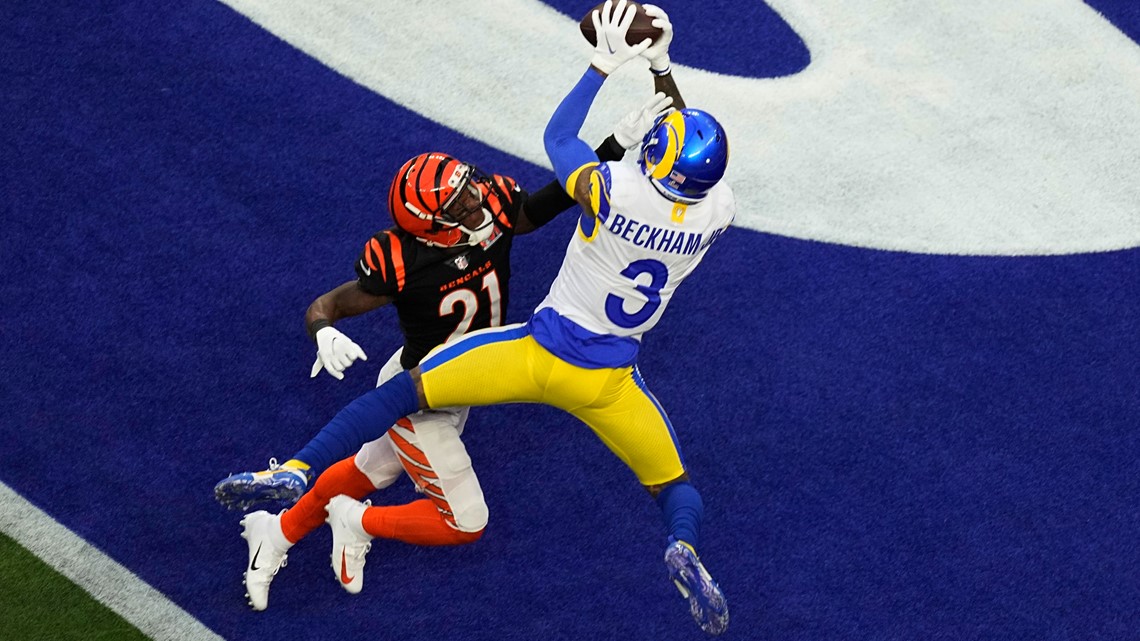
[441,294]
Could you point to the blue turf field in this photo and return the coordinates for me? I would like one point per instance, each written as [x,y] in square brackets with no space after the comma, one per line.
[890,446]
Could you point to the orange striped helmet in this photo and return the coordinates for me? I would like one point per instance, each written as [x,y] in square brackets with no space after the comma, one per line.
[422,192]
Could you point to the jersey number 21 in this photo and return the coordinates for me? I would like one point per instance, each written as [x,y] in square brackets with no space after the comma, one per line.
[469,300]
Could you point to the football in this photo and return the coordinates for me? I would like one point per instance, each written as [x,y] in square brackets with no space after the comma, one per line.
[641,28]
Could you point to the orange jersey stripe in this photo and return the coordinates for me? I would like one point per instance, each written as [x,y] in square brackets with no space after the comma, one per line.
[368,251]
[376,249]
[397,260]
[501,215]
[507,185]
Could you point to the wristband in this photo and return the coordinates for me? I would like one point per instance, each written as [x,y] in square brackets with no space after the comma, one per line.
[610,149]
[317,326]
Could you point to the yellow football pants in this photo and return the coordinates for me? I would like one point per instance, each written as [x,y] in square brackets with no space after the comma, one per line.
[506,365]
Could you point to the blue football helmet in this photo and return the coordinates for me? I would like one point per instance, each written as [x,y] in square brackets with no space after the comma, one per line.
[684,154]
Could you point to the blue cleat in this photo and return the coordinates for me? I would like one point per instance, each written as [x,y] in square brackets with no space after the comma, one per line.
[276,487]
[706,602]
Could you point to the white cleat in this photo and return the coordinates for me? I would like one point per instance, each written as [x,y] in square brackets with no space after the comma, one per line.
[266,555]
[350,542]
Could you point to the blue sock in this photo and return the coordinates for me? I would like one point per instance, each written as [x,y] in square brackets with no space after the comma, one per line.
[365,419]
[683,509]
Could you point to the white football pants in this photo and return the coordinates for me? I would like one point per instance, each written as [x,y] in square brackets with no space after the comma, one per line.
[427,446]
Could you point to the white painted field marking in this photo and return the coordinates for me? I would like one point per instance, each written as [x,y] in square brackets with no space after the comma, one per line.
[101,576]
[966,127]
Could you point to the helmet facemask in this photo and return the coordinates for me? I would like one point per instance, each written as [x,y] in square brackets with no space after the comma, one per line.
[461,209]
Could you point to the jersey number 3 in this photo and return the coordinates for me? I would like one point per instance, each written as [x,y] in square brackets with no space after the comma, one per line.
[470,302]
[615,305]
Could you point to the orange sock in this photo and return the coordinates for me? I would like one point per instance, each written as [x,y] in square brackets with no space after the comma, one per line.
[309,513]
[418,523]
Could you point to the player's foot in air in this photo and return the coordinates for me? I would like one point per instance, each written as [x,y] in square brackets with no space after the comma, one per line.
[265,556]
[350,542]
[278,486]
[706,602]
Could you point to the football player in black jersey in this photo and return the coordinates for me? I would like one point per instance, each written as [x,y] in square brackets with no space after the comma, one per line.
[445,265]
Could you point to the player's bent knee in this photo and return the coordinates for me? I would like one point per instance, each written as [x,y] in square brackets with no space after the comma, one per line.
[471,519]
[655,490]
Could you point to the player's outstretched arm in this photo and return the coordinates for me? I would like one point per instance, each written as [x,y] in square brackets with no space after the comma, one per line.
[574,162]
[543,205]
[347,299]
[664,84]
[335,351]
[572,158]
[658,56]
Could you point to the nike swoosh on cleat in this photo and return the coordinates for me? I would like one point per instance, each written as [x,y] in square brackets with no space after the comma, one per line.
[253,563]
[344,578]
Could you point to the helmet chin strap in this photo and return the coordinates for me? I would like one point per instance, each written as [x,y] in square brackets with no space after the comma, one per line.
[483,232]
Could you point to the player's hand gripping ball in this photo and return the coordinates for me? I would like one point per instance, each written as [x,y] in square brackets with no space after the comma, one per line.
[641,28]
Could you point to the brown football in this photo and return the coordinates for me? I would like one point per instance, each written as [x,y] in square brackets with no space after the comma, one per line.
[641,28]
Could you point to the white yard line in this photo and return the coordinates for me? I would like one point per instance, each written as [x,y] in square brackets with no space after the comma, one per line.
[109,582]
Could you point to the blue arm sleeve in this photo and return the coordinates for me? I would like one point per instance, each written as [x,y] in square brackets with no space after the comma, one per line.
[365,419]
[566,151]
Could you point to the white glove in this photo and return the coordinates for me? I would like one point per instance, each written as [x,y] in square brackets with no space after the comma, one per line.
[335,352]
[633,127]
[612,51]
[658,52]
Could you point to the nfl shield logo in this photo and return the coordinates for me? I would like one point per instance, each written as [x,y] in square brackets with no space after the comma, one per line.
[461,261]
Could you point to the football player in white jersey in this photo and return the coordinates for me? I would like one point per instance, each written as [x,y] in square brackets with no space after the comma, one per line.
[641,231]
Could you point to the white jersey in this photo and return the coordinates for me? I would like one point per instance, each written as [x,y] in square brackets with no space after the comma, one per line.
[622,268]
